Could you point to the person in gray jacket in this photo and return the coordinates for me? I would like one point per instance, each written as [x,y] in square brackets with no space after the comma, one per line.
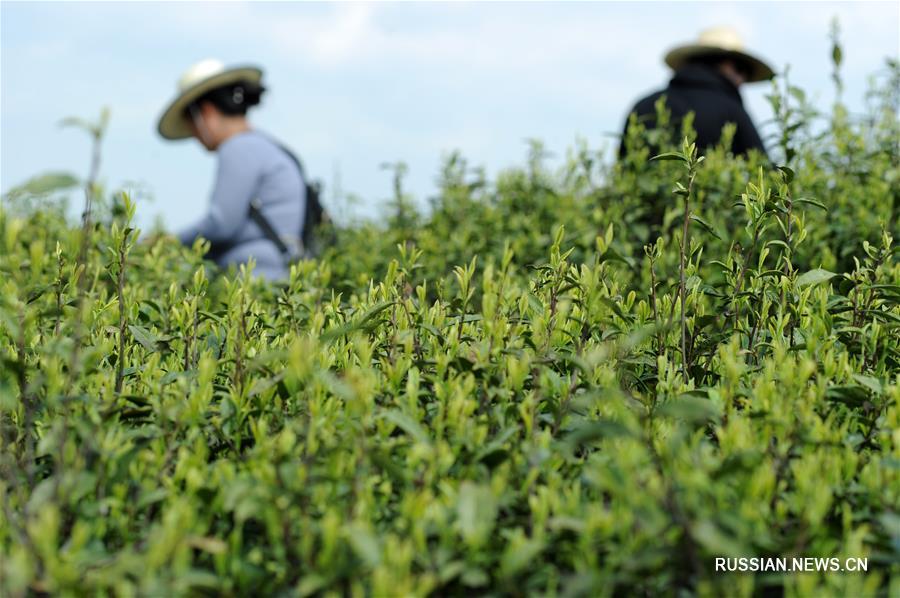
[254,172]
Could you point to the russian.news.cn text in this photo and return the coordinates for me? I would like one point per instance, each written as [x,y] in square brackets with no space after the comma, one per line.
[790,565]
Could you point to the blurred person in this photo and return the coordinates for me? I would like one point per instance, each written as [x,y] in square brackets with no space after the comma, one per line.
[707,77]
[259,198]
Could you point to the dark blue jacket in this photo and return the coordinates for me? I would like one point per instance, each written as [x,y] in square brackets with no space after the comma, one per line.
[714,100]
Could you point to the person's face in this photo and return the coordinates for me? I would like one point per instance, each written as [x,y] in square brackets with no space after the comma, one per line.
[206,124]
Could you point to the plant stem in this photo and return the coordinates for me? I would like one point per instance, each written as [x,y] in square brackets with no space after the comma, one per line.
[120,292]
[682,286]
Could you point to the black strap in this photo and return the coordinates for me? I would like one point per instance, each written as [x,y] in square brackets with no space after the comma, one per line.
[293,158]
[259,218]
[313,213]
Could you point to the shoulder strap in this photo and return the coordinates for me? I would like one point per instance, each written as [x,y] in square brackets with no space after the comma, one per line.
[314,214]
[256,214]
[263,223]
[293,158]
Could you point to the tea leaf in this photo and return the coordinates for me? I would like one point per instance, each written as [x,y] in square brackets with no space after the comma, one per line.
[814,277]
[147,339]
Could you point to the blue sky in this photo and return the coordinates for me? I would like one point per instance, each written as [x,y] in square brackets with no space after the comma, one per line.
[352,86]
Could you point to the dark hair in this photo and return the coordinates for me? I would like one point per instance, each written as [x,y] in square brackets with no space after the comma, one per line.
[714,59]
[233,99]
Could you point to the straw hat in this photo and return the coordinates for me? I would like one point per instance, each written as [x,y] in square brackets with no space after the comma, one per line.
[720,40]
[202,77]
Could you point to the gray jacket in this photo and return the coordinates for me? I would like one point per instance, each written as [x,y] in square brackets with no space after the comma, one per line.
[251,166]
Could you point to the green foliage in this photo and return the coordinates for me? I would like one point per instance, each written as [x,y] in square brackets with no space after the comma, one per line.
[590,382]
[44,184]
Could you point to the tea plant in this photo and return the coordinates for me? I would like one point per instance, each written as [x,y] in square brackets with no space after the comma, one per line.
[575,383]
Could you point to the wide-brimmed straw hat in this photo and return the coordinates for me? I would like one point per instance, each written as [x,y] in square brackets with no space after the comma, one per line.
[202,77]
[723,41]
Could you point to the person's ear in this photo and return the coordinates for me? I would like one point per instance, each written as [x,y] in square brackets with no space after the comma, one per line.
[207,110]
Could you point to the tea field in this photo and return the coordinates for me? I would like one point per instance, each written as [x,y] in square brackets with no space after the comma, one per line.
[587,381]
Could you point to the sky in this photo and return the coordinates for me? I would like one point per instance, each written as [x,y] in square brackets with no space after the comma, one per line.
[352,86]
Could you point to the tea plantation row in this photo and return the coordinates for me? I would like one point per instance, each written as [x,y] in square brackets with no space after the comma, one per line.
[587,382]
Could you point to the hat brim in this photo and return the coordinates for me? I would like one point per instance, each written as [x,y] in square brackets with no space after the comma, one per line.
[759,70]
[174,125]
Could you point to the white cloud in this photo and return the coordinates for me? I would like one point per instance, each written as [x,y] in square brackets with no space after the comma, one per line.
[357,34]
[340,39]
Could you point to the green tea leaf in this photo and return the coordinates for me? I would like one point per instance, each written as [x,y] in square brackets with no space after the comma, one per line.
[690,408]
[44,184]
[407,424]
[146,338]
[814,277]
[476,512]
[669,156]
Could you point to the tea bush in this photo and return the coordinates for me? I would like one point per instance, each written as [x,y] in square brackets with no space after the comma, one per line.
[586,382]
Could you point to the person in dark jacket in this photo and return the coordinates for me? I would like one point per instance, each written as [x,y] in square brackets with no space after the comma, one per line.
[708,75]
